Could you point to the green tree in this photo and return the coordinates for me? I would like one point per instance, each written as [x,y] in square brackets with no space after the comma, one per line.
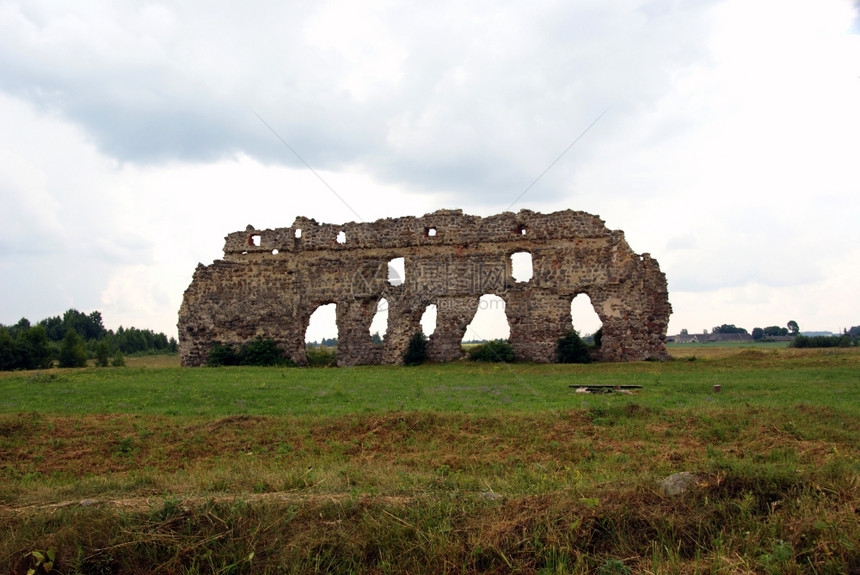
[22,326]
[8,349]
[102,354]
[24,347]
[757,333]
[416,352]
[775,330]
[34,348]
[598,337]
[54,327]
[571,349]
[88,326]
[73,353]
[793,328]
[33,351]
[118,359]
[728,328]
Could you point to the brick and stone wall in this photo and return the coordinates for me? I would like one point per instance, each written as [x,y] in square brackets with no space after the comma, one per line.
[271,281]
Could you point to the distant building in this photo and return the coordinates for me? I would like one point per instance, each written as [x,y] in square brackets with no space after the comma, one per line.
[709,337]
[685,338]
[714,337]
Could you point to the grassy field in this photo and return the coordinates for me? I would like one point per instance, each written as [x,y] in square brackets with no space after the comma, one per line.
[456,468]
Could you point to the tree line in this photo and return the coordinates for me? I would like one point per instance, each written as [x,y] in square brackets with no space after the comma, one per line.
[74,338]
[848,337]
[791,329]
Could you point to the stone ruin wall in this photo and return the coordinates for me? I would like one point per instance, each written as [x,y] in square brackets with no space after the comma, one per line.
[271,281]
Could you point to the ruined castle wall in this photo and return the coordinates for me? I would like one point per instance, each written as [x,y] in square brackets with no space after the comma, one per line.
[271,281]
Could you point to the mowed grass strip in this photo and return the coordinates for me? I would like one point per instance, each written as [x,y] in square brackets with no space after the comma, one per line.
[531,479]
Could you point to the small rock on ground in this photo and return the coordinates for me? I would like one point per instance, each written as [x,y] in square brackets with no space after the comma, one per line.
[679,483]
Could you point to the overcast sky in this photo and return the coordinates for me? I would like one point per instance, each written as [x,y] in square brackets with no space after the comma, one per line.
[136,135]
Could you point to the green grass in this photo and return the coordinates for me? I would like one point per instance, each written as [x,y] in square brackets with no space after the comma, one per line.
[457,468]
[768,378]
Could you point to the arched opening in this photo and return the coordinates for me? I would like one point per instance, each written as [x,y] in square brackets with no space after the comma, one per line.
[586,322]
[254,240]
[322,326]
[430,232]
[298,232]
[379,325]
[521,266]
[275,252]
[341,237]
[490,321]
[428,320]
[397,271]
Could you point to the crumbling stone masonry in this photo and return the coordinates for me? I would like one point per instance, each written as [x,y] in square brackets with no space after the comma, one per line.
[271,281]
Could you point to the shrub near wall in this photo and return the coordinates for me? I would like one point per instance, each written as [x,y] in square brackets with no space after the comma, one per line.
[571,349]
[261,352]
[321,356]
[497,350]
[222,354]
[416,353]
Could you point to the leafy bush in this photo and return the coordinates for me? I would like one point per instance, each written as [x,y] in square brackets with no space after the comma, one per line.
[118,359]
[416,353]
[261,352]
[222,354]
[497,350]
[321,356]
[803,341]
[571,349]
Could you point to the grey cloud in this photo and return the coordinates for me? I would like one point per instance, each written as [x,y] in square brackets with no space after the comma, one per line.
[481,101]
